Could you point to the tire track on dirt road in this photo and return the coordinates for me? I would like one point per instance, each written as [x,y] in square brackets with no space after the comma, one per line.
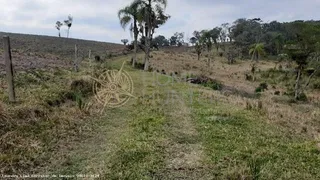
[185,153]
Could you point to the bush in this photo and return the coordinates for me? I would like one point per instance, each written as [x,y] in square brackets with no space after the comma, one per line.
[316,86]
[139,65]
[207,82]
[109,55]
[97,58]
[82,86]
[258,90]
[214,84]
[277,93]
[261,88]
[264,86]
[130,47]
[249,77]
[302,97]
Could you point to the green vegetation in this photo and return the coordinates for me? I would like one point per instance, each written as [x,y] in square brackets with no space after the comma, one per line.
[212,125]
[145,16]
[235,143]
[240,145]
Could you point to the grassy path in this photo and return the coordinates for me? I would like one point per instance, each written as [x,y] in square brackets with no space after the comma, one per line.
[184,150]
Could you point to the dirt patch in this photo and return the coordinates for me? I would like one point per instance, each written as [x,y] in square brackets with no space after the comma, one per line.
[229,90]
[22,61]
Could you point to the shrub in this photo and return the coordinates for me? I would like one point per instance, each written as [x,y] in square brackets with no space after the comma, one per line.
[316,85]
[140,65]
[264,86]
[82,86]
[261,88]
[79,100]
[277,93]
[207,82]
[258,90]
[130,47]
[249,77]
[214,84]
[97,58]
[302,97]
[109,55]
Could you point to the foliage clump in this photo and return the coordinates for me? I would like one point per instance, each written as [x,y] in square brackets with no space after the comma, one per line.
[207,82]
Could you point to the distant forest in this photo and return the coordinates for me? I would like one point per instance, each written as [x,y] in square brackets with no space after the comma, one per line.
[243,33]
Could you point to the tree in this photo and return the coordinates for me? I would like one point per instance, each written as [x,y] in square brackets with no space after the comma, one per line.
[206,39]
[131,14]
[197,35]
[215,34]
[153,17]
[124,41]
[304,48]
[245,33]
[160,41]
[179,37]
[173,41]
[193,41]
[279,42]
[68,23]
[231,54]
[198,48]
[280,58]
[224,32]
[58,26]
[256,51]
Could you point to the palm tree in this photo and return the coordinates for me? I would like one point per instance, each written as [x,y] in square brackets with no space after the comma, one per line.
[198,48]
[256,51]
[68,23]
[58,26]
[127,15]
[153,13]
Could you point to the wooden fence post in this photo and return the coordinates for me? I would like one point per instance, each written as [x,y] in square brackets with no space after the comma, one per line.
[9,68]
[76,58]
[90,58]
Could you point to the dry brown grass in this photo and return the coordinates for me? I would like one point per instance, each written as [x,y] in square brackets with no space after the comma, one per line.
[32,129]
[300,118]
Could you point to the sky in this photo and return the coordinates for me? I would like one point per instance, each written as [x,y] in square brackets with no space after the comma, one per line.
[97,19]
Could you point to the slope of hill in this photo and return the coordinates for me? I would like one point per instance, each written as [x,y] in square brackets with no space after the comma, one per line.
[59,46]
[33,51]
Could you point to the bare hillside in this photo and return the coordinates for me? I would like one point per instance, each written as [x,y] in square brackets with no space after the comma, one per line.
[34,51]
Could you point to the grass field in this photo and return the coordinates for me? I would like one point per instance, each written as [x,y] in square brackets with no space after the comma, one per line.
[171,130]
[156,137]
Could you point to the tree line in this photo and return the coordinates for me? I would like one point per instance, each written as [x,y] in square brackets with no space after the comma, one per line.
[298,41]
